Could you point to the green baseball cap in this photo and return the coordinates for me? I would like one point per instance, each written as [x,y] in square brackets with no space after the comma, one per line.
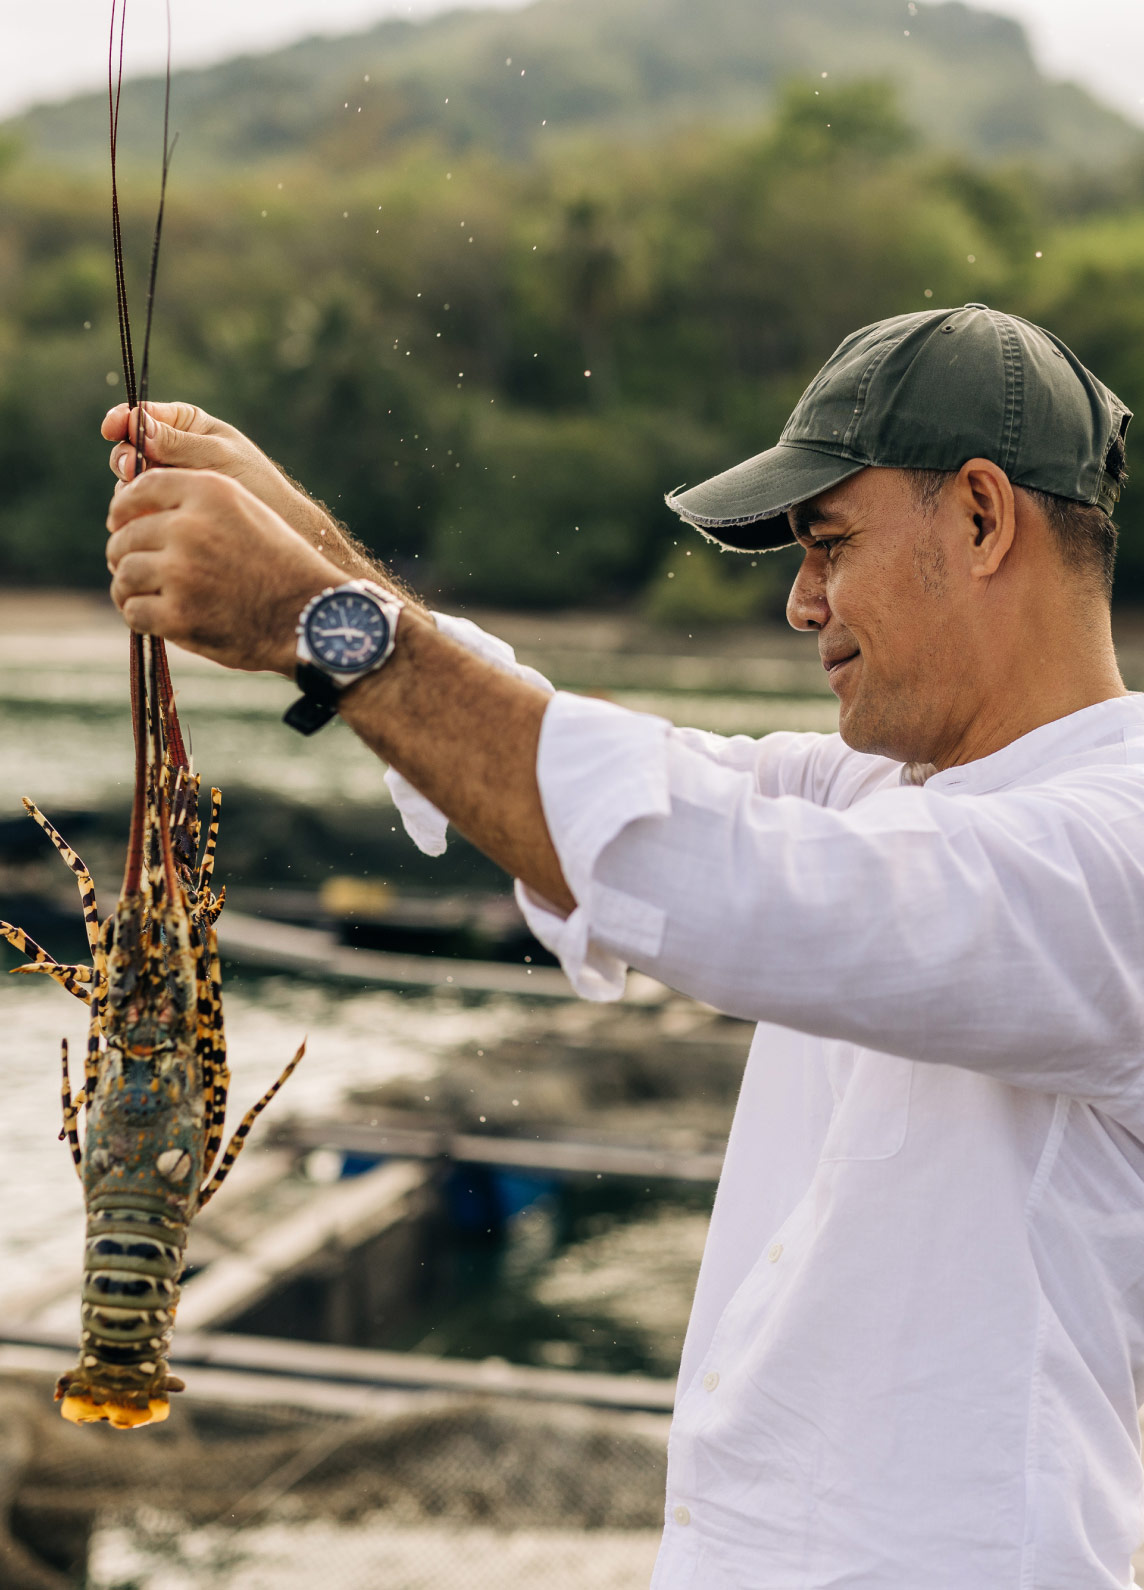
[926,391]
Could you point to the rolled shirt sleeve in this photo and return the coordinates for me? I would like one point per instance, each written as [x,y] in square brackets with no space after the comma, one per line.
[999,931]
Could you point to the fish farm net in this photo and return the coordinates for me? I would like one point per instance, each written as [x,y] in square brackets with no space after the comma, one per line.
[487,1493]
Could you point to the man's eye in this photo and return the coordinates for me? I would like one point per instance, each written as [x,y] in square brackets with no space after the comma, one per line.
[827,545]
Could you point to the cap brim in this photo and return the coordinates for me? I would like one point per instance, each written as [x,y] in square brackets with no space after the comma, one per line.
[746,507]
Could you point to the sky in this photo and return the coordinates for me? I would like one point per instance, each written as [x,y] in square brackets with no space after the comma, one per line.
[52,50]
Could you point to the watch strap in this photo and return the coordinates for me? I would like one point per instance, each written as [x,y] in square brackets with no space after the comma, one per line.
[307,715]
[318,702]
[317,684]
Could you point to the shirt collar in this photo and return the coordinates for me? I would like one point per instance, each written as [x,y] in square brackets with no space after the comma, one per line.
[1104,726]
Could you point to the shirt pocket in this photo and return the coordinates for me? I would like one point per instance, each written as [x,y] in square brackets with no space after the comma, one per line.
[872,1104]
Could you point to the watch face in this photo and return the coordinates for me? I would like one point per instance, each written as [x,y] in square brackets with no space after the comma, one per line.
[347,631]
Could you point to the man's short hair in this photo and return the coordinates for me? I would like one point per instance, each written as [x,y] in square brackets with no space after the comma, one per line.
[1085,535]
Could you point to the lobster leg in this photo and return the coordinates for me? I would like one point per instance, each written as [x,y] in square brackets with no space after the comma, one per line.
[206,870]
[235,1146]
[212,1049]
[98,1011]
[70,1111]
[82,876]
[68,977]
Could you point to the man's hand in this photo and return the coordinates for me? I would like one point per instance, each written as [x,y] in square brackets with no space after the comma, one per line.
[197,558]
[181,436]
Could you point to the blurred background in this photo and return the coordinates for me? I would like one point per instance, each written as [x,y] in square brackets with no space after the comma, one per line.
[489,281]
[394,256]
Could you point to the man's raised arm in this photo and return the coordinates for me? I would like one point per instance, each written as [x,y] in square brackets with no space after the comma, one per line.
[201,560]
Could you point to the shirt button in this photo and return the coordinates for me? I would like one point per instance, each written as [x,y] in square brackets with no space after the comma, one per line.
[681,1514]
[775,1253]
[710,1381]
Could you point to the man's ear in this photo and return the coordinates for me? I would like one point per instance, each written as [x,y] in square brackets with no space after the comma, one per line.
[984,496]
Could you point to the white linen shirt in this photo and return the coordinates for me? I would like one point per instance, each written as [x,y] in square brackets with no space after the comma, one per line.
[916,1351]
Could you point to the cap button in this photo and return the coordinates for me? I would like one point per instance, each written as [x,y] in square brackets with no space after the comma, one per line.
[977,306]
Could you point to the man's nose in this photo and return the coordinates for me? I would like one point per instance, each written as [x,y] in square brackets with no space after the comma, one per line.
[807,606]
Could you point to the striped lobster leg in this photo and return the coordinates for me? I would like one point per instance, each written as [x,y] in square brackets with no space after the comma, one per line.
[71,1108]
[206,870]
[70,977]
[211,1046]
[82,876]
[235,1146]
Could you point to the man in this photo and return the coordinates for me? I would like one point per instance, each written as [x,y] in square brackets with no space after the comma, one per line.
[917,1346]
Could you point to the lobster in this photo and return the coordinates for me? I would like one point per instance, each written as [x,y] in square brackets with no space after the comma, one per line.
[155,1075]
[156,1081]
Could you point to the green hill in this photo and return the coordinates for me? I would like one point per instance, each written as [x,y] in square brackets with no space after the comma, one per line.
[514,83]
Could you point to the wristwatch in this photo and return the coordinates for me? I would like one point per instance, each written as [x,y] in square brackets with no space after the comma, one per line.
[344,633]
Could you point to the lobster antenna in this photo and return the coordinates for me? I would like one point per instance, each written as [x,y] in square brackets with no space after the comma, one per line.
[134,870]
[152,277]
[163,863]
[114,94]
[151,705]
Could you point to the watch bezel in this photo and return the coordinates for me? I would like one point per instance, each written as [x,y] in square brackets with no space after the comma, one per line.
[379,650]
[389,607]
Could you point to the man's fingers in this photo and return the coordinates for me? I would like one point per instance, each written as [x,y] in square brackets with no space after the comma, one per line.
[114,426]
[149,533]
[179,416]
[179,435]
[142,613]
[137,574]
[123,461]
[153,492]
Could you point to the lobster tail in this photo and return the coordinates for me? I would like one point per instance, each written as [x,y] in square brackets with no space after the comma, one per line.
[132,1261]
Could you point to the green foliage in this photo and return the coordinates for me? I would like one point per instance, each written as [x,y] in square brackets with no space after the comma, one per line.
[862,118]
[411,337]
[512,84]
[701,585]
[546,510]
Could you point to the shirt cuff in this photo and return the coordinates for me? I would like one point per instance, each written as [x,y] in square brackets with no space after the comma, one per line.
[424,823]
[599,768]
